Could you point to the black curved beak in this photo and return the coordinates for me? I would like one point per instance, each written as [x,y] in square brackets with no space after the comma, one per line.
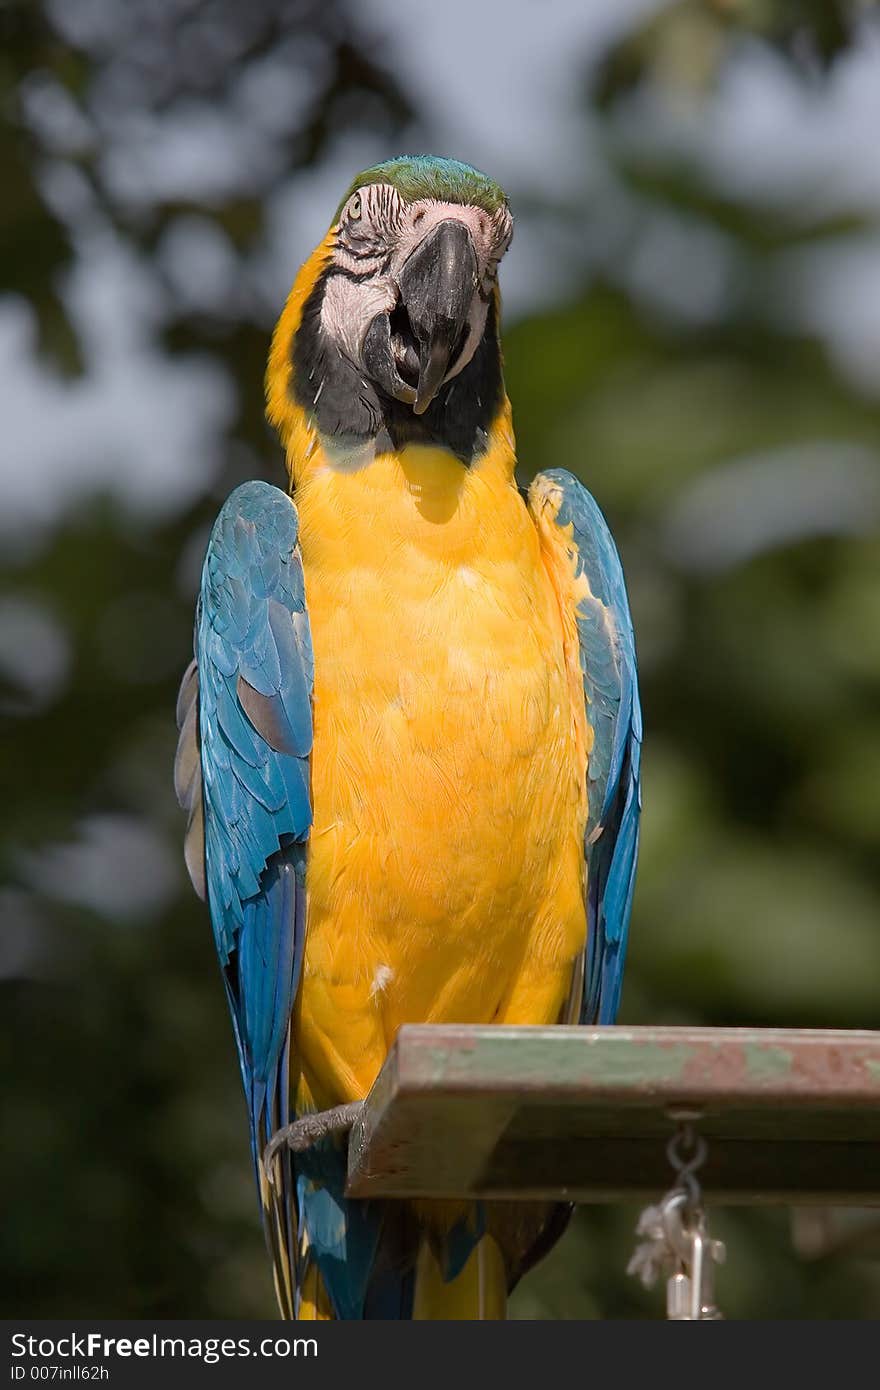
[408,352]
[437,286]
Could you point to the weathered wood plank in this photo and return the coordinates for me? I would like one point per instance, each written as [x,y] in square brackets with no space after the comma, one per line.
[584,1113]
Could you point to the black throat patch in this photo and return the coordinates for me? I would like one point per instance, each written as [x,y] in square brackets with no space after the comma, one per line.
[347,406]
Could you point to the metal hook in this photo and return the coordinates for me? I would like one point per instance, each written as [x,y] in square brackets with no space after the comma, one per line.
[672,1211]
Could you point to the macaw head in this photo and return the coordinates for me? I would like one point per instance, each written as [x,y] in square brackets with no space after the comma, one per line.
[397,304]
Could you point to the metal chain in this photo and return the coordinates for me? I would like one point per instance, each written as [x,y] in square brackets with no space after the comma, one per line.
[674,1237]
[684,1139]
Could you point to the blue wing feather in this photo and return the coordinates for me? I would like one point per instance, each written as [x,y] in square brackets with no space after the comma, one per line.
[257,806]
[610,678]
[252,680]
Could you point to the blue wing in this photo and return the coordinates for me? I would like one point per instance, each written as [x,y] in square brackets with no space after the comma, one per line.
[242,772]
[608,665]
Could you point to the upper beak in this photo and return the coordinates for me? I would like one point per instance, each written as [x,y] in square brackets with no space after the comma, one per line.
[437,286]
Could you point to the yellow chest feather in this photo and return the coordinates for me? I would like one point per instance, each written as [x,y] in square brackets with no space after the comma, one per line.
[445,864]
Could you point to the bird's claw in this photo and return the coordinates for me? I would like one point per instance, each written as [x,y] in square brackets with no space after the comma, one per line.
[309,1130]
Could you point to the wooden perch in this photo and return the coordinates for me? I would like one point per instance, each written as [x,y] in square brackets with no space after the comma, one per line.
[584,1114]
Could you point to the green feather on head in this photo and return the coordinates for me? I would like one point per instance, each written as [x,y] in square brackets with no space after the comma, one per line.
[427,176]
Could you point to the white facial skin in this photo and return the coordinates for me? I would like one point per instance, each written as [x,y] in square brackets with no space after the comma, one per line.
[377,233]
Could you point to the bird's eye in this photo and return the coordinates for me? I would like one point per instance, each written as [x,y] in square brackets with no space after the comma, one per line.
[354,210]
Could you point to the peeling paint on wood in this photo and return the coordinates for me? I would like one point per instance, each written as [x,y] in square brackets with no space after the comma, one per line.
[789,1115]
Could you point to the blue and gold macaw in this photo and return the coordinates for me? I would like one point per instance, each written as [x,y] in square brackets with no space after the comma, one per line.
[410,736]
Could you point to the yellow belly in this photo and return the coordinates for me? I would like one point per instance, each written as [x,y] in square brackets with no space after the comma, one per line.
[445,874]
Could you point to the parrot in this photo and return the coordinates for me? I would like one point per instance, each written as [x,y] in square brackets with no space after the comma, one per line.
[409,739]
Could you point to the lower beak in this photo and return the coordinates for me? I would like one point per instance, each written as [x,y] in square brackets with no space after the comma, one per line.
[437,287]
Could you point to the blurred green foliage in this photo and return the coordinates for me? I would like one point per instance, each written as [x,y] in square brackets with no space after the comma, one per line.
[128,1182]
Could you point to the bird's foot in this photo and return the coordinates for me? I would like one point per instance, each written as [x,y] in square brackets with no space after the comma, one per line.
[309,1130]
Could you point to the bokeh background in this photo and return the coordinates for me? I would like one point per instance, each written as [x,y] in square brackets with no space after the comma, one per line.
[692,325]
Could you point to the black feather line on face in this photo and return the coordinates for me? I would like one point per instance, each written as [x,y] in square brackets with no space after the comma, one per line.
[359,277]
[347,406]
[363,251]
